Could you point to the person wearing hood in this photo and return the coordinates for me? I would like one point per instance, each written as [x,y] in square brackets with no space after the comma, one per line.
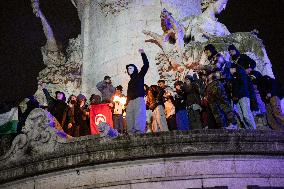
[215,93]
[81,113]
[68,122]
[216,64]
[241,95]
[193,102]
[57,105]
[136,107]
[248,65]
[241,59]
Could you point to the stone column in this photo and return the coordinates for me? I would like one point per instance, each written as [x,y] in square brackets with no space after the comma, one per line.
[112,35]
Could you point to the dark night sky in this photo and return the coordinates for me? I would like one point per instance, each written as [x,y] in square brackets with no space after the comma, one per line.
[21,37]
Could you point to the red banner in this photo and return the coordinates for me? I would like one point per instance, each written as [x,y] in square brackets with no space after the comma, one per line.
[99,113]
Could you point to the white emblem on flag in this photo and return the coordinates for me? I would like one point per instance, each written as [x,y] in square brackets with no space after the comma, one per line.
[100,118]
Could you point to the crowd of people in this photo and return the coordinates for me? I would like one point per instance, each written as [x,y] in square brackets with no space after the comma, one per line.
[222,94]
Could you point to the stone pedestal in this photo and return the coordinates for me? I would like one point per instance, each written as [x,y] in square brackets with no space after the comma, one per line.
[166,160]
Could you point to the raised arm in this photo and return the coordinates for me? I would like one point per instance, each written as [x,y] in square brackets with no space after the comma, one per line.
[50,100]
[145,66]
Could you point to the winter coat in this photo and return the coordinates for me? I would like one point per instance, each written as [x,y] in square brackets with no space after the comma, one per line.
[180,100]
[266,84]
[245,61]
[106,89]
[136,84]
[56,107]
[240,84]
[192,94]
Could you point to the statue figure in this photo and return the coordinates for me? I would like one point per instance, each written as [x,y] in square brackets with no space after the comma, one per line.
[48,32]
[171,41]
[40,135]
[205,26]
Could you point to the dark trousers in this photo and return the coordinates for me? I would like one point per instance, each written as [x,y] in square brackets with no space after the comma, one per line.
[118,122]
[171,121]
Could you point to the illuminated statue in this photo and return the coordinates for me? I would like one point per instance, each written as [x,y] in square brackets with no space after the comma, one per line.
[206,26]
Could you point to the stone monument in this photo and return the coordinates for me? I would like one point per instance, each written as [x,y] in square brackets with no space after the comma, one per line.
[112,31]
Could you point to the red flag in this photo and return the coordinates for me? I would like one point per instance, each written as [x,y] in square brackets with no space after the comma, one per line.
[99,113]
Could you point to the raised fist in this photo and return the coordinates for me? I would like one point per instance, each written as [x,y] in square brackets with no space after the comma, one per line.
[141,51]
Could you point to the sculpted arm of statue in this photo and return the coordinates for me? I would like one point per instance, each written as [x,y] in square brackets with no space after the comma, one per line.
[155,38]
[219,5]
[178,30]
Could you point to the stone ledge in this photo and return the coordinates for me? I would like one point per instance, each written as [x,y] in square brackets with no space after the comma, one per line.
[91,150]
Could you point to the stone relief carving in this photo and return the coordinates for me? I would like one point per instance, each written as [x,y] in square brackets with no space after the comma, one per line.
[63,71]
[51,42]
[113,7]
[182,42]
[40,136]
[205,26]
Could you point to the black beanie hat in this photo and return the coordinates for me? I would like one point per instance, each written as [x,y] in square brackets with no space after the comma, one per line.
[232,47]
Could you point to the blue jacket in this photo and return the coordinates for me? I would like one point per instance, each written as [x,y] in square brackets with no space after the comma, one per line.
[240,84]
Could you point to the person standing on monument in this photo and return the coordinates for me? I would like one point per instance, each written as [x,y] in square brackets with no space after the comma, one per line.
[241,96]
[57,105]
[106,88]
[136,107]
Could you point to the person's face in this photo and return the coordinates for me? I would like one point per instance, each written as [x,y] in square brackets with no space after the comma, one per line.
[162,85]
[207,53]
[233,70]
[118,92]
[178,87]
[130,70]
[82,102]
[221,59]
[108,81]
[73,98]
[59,96]
[187,81]
[248,70]
[232,52]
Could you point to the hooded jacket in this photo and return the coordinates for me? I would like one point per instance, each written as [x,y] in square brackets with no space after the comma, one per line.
[242,59]
[240,84]
[106,89]
[55,107]
[136,84]
[266,84]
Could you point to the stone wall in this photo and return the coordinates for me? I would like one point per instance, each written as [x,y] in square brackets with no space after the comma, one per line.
[233,172]
[112,35]
[42,157]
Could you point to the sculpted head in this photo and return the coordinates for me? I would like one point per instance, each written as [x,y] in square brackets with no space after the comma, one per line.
[205,4]
[165,19]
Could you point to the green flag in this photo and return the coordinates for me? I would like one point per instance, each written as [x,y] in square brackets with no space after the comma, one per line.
[9,121]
